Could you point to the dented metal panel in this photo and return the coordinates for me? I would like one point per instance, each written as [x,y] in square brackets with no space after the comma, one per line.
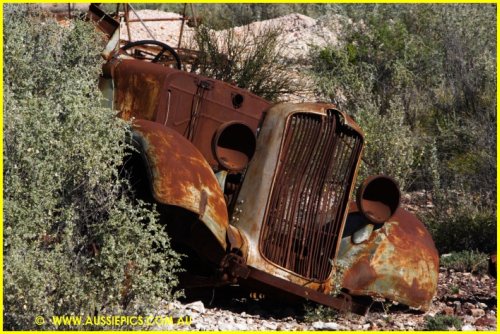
[397,261]
[180,176]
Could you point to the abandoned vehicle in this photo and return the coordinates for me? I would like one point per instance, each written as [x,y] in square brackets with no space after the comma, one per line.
[259,194]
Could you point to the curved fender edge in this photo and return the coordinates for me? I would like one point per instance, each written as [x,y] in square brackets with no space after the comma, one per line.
[180,176]
[398,261]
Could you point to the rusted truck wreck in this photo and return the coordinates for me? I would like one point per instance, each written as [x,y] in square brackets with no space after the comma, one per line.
[260,194]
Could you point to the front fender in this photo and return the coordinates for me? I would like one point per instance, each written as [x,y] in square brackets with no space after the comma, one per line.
[180,176]
[398,261]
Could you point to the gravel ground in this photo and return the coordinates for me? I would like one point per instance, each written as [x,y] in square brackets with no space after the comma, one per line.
[468,297]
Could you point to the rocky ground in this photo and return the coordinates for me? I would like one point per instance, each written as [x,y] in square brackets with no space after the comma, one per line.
[470,298]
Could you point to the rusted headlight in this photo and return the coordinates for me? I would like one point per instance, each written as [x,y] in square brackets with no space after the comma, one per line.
[234,145]
[378,198]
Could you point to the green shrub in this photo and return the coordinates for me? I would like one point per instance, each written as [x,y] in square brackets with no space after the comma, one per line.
[314,312]
[460,221]
[442,323]
[390,146]
[376,85]
[466,261]
[435,64]
[74,242]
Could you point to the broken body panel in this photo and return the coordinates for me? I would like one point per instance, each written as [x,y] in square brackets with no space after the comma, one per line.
[271,187]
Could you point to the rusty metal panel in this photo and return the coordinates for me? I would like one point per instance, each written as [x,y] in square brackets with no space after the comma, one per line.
[194,106]
[311,190]
[180,176]
[104,22]
[342,302]
[138,88]
[198,107]
[397,261]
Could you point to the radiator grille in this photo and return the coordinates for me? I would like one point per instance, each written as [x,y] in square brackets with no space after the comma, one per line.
[310,193]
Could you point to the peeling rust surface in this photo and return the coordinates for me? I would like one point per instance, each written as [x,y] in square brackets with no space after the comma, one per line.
[181,176]
[398,262]
[137,89]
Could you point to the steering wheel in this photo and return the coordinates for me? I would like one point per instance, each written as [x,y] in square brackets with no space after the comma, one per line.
[146,52]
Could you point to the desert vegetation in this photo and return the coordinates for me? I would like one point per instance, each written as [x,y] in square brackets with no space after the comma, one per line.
[74,241]
[421,81]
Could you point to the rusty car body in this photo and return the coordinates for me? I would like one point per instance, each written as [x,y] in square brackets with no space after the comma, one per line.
[259,193]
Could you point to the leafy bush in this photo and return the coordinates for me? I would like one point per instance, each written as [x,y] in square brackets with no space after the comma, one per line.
[461,222]
[248,60]
[466,261]
[442,323]
[314,312]
[376,85]
[420,80]
[390,147]
[74,242]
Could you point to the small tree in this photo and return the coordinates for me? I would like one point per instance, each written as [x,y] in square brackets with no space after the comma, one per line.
[249,60]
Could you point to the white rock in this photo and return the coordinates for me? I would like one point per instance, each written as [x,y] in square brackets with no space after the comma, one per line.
[332,326]
[318,325]
[224,326]
[270,325]
[196,306]
[240,327]
[468,327]
[329,326]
